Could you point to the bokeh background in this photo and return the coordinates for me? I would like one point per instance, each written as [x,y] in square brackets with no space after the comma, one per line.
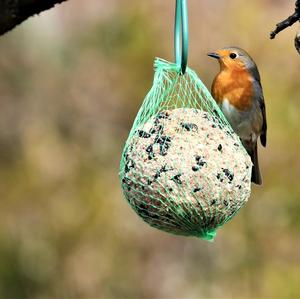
[71,83]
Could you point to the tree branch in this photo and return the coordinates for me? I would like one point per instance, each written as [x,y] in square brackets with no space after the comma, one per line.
[289,22]
[286,23]
[14,12]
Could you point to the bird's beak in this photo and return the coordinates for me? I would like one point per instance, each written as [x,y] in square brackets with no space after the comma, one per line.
[214,55]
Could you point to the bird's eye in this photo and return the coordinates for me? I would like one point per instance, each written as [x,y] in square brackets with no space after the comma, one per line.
[232,55]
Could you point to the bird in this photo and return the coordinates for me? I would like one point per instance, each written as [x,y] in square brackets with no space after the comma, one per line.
[238,91]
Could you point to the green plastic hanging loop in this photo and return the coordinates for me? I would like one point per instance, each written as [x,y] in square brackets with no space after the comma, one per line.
[181,34]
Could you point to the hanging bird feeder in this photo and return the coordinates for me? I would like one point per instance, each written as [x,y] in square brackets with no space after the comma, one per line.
[183,169]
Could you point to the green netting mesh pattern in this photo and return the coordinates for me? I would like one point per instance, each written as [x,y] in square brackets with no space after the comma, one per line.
[183,169]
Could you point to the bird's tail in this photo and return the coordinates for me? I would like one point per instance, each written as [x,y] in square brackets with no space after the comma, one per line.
[256,176]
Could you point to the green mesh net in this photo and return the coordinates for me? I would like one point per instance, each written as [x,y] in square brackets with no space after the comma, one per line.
[183,169]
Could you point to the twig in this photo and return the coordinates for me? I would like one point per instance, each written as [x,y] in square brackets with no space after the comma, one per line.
[287,22]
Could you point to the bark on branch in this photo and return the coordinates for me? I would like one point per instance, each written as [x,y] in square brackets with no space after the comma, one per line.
[289,22]
[14,12]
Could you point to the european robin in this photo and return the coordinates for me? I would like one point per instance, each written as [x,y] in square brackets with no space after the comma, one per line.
[237,90]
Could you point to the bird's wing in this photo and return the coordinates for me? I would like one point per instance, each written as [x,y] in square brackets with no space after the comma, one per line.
[261,101]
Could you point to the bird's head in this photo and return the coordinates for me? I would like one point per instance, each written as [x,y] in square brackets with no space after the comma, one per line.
[233,58]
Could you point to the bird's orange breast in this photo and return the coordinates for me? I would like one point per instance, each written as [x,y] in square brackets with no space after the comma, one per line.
[235,86]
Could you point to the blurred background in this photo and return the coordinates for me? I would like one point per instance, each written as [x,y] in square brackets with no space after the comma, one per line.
[71,83]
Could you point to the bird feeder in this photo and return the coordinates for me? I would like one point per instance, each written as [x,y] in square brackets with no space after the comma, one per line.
[183,169]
